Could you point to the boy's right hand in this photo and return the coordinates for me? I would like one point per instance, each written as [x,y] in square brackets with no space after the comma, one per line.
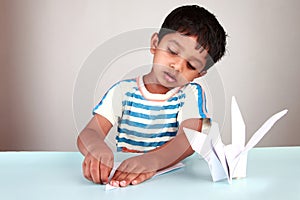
[98,164]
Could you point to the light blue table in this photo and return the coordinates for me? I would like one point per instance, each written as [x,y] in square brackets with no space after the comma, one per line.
[273,173]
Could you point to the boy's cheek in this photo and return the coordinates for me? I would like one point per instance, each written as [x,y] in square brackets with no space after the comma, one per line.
[182,80]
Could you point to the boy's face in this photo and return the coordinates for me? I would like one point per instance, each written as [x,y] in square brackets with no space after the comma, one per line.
[176,60]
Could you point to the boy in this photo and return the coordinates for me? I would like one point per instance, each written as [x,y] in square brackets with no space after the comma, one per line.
[151,110]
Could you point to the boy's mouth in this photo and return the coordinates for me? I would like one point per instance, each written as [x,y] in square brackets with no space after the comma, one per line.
[169,77]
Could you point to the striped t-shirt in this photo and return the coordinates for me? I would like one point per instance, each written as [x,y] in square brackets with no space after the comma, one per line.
[145,120]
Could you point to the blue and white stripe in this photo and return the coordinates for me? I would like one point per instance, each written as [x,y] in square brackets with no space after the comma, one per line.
[144,124]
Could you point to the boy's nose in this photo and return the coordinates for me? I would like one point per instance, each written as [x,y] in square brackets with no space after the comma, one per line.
[178,64]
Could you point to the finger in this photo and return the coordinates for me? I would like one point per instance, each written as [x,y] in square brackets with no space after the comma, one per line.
[104,173]
[128,179]
[120,171]
[86,169]
[105,169]
[95,170]
[142,177]
[117,177]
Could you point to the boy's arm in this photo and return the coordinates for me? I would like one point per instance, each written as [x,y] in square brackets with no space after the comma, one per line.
[140,168]
[98,159]
[179,148]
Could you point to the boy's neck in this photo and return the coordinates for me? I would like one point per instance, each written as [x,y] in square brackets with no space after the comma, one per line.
[156,88]
[153,86]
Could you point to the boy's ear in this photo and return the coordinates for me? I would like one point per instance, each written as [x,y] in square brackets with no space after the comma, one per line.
[202,73]
[154,43]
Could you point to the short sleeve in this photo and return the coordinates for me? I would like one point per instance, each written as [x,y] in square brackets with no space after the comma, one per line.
[194,105]
[110,105]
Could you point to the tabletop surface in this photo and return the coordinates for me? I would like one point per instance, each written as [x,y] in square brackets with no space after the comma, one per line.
[272,173]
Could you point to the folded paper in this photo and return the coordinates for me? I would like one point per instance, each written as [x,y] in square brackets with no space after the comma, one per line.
[228,161]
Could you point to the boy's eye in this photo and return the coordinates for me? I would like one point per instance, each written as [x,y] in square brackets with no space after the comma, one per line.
[191,66]
[173,52]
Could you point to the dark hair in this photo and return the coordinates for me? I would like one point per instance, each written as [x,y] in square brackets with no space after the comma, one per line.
[193,20]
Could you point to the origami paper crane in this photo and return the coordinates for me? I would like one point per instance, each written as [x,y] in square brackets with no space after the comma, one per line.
[228,161]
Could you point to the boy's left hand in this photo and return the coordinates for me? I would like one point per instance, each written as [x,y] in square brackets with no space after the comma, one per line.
[134,171]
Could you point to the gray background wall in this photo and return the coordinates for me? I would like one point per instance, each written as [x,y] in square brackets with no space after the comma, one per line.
[43,45]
